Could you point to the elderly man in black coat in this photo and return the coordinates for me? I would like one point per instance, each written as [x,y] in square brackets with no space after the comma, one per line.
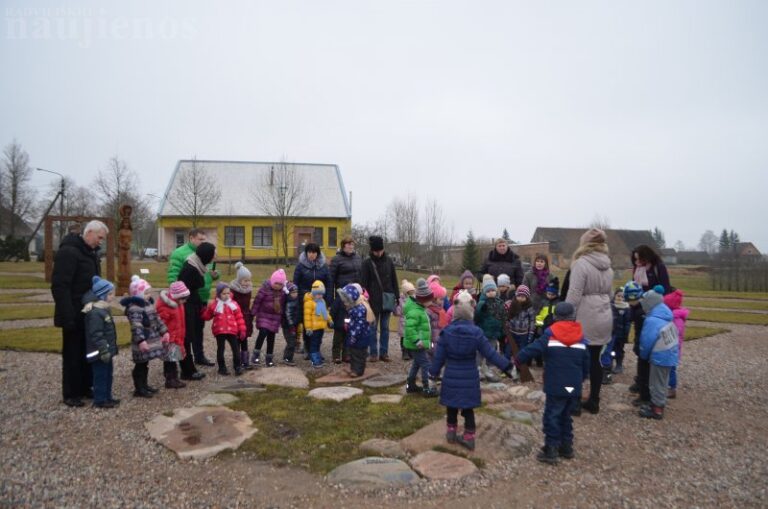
[74,266]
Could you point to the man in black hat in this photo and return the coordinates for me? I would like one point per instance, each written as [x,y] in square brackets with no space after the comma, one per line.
[379,277]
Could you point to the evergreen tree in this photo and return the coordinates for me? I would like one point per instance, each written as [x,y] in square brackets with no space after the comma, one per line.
[658,238]
[505,235]
[733,239]
[470,260]
[725,241]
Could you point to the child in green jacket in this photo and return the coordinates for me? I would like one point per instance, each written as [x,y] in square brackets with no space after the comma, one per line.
[418,337]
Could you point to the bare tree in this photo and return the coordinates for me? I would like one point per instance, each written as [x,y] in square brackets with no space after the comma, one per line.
[679,246]
[361,233]
[600,221]
[115,184]
[195,193]
[78,201]
[18,194]
[283,195]
[436,234]
[404,214]
[708,242]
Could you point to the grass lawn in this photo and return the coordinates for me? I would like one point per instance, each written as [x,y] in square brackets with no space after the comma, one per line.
[707,315]
[22,267]
[6,298]
[320,435]
[726,295]
[23,282]
[30,312]
[727,304]
[47,339]
[695,332]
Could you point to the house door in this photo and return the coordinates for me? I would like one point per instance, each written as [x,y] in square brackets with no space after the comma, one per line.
[302,239]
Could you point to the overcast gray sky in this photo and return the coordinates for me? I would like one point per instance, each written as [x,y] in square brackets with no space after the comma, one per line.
[511,114]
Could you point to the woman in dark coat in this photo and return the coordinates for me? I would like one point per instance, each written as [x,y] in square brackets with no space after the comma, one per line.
[193,276]
[311,267]
[345,269]
[502,260]
[648,270]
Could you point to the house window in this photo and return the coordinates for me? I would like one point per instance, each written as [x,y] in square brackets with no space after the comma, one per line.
[332,237]
[234,236]
[179,236]
[317,236]
[262,236]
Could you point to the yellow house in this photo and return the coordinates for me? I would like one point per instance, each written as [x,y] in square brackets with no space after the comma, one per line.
[258,203]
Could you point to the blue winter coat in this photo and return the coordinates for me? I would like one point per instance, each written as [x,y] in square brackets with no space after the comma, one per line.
[566,359]
[359,333]
[658,339]
[622,322]
[457,349]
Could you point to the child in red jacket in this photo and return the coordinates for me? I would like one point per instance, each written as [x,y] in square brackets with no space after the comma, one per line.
[170,309]
[228,327]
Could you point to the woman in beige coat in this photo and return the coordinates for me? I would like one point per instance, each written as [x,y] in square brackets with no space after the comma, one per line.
[590,293]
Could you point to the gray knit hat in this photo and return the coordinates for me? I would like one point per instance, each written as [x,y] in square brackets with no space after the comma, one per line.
[423,291]
[565,311]
[503,280]
[650,300]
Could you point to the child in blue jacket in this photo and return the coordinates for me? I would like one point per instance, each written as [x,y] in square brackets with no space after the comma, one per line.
[566,366]
[459,344]
[658,346]
[359,319]
[614,350]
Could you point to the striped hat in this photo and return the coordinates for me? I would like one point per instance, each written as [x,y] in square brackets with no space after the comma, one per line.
[523,290]
[178,290]
[101,287]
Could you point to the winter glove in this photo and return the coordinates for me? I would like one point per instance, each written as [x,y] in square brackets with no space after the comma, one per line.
[144,346]
[104,354]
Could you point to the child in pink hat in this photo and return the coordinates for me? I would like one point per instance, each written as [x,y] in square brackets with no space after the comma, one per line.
[268,311]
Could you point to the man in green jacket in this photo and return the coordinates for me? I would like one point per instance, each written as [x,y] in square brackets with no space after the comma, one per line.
[196,237]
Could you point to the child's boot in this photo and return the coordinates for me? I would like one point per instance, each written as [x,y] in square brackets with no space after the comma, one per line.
[317,360]
[429,392]
[172,381]
[268,362]
[565,451]
[618,368]
[607,377]
[467,440]
[652,412]
[592,405]
[244,360]
[450,434]
[147,387]
[411,387]
[256,359]
[672,393]
[548,454]
[138,385]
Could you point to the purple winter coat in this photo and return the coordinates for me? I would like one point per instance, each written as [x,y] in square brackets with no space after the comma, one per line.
[263,308]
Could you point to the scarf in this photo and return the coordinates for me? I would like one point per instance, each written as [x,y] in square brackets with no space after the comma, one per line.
[321,309]
[542,278]
[621,305]
[641,275]
[197,263]
[236,286]
[221,303]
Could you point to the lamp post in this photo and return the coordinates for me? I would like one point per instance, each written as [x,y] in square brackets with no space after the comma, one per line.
[61,199]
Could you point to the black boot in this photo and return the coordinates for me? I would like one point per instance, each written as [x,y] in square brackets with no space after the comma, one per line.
[565,451]
[607,376]
[149,388]
[576,411]
[411,387]
[138,384]
[548,454]
[591,405]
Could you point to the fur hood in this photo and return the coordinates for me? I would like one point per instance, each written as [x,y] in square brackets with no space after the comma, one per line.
[167,300]
[319,261]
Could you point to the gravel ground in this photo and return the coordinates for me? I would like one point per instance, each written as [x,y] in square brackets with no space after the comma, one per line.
[711,449]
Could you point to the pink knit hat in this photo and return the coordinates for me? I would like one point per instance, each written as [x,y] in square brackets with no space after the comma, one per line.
[431,279]
[437,290]
[523,290]
[178,290]
[278,276]
[138,286]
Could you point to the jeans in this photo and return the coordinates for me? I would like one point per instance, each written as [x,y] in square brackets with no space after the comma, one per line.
[452,418]
[420,362]
[315,341]
[557,421]
[102,381]
[382,325]
[221,341]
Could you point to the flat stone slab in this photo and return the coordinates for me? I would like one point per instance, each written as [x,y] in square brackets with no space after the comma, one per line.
[518,390]
[219,399]
[442,466]
[373,472]
[496,386]
[201,432]
[385,381]
[386,398]
[282,376]
[524,406]
[339,377]
[518,416]
[335,393]
[236,386]
[381,447]
[619,407]
[497,439]
[536,396]
[495,397]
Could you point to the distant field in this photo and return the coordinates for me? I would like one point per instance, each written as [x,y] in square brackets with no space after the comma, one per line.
[736,304]
[707,315]
[48,339]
